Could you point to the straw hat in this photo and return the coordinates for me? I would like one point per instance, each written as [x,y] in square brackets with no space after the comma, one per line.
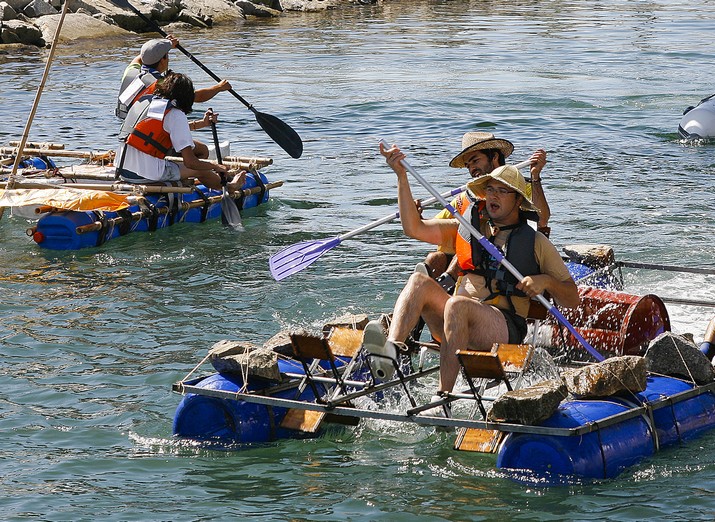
[472,141]
[510,176]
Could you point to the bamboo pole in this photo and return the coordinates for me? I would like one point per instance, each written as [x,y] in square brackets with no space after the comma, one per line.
[241,162]
[140,214]
[40,145]
[114,187]
[38,95]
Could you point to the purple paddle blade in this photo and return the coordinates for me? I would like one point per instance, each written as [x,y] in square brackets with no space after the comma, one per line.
[296,257]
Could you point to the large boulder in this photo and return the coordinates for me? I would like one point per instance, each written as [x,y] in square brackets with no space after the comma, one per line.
[77,26]
[614,375]
[212,12]
[18,5]
[674,355]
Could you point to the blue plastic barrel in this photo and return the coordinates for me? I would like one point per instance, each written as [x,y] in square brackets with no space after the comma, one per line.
[681,421]
[599,454]
[58,230]
[228,421]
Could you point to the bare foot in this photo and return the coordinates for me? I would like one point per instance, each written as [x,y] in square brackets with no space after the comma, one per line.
[237,182]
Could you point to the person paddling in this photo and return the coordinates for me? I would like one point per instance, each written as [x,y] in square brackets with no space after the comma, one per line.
[489,305]
[158,123]
[147,70]
[481,153]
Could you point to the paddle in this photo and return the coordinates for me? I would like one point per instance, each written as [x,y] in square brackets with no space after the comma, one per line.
[498,256]
[230,216]
[38,95]
[298,256]
[279,131]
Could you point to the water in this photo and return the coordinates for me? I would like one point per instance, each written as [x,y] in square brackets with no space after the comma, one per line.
[92,340]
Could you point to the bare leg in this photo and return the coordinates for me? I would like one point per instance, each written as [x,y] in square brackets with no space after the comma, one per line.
[468,324]
[201,150]
[436,263]
[710,332]
[421,296]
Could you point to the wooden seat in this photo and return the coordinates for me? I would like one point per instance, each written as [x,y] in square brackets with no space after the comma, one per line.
[311,351]
[502,360]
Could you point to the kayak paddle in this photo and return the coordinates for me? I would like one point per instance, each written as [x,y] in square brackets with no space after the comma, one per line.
[498,256]
[298,256]
[279,131]
[230,216]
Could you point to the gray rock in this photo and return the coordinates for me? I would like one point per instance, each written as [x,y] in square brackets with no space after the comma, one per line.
[257,10]
[674,355]
[17,31]
[18,5]
[38,8]
[595,256]
[356,321]
[77,26]
[244,359]
[605,378]
[529,405]
[7,12]
[280,343]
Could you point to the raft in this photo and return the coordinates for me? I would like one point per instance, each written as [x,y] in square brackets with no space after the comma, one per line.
[699,122]
[74,230]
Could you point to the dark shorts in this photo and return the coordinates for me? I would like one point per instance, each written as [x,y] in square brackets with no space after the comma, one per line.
[516,325]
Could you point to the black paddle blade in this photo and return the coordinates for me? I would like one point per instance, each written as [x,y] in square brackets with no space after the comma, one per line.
[281,133]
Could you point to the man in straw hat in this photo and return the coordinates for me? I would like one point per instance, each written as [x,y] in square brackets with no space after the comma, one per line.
[489,305]
[481,153]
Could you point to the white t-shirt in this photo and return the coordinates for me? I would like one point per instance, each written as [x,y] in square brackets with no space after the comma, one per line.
[149,167]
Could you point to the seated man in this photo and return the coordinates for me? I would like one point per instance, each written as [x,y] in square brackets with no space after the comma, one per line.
[481,153]
[157,124]
[489,305]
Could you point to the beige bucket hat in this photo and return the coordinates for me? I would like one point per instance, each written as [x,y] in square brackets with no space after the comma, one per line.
[510,176]
[472,141]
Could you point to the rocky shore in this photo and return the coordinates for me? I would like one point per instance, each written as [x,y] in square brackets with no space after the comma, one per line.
[33,22]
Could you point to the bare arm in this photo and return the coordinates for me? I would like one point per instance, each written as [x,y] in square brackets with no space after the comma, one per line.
[564,292]
[207,93]
[538,160]
[429,231]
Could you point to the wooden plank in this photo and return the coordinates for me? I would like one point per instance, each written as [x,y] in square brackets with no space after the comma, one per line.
[516,355]
[306,421]
[481,364]
[479,440]
[345,342]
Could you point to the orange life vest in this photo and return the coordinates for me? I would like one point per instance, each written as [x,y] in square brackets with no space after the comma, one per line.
[145,133]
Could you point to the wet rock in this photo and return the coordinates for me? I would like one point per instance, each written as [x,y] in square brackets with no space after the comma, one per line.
[529,405]
[606,378]
[674,355]
[19,32]
[258,10]
[595,256]
[244,359]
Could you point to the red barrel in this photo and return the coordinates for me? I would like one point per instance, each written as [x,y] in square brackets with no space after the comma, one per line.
[613,322]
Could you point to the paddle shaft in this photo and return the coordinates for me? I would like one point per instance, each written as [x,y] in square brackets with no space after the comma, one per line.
[497,255]
[38,95]
[396,215]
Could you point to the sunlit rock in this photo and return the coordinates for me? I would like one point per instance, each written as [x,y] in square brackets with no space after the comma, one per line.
[674,355]
[605,378]
[529,405]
